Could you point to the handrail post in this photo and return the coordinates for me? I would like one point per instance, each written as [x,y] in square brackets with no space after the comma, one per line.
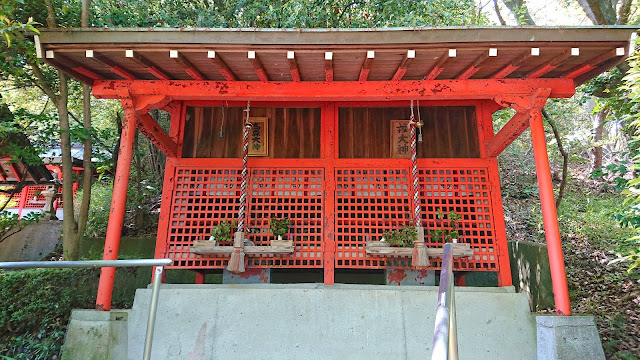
[445,338]
[153,308]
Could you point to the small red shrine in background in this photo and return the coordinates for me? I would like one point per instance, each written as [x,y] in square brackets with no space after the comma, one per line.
[327,157]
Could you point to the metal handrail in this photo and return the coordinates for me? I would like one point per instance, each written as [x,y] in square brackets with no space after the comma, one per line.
[445,336]
[153,306]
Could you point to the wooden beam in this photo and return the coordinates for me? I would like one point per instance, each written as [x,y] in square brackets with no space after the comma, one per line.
[440,64]
[221,66]
[366,66]
[593,63]
[257,66]
[404,65]
[509,132]
[14,168]
[328,66]
[293,66]
[477,63]
[147,65]
[334,91]
[188,67]
[515,64]
[71,68]
[552,65]
[156,134]
[111,65]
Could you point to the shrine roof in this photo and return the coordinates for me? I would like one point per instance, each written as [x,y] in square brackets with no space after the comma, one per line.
[285,55]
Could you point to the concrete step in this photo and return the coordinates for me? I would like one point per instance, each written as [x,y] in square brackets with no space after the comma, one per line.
[314,321]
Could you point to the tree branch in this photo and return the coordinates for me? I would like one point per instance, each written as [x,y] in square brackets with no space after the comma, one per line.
[500,18]
[42,82]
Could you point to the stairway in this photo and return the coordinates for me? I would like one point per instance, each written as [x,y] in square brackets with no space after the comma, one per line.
[314,321]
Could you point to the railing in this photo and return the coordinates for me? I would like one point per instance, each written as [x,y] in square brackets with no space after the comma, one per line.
[445,336]
[159,263]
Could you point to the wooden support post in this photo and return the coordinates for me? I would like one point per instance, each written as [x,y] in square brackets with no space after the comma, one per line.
[404,65]
[257,66]
[118,202]
[328,148]
[185,64]
[147,65]
[366,66]
[328,66]
[199,277]
[23,200]
[111,65]
[439,66]
[550,217]
[293,66]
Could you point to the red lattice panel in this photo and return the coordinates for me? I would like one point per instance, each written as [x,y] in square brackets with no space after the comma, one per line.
[467,192]
[368,202]
[35,200]
[203,197]
[371,201]
[296,194]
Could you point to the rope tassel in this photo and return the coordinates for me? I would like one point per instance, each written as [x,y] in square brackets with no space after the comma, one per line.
[236,263]
[420,257]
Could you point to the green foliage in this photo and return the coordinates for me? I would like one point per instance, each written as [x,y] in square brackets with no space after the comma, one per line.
[284,13]
[404,237]
[35,306]
[614,173]
[10,223]
[279,227]
[222,231]
[449,232]
[101,193]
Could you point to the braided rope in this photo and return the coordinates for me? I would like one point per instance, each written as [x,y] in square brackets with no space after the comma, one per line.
[245,171]
[417,218]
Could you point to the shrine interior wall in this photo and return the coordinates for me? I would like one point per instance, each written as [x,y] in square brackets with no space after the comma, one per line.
[363,132]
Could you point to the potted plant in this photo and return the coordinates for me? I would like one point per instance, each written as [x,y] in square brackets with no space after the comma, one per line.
[449,231]
[222,232]
[404,237]
[279,227]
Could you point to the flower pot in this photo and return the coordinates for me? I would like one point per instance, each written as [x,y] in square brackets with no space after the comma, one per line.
[281,243]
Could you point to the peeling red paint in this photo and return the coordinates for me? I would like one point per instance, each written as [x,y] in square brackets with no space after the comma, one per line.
[396,276]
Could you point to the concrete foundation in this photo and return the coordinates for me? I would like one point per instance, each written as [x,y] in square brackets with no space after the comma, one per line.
[96,335]
[410,277]
[531,273]
[568,338]
[250,276]
[314,321]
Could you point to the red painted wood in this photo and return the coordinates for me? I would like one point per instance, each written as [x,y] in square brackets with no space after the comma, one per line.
[509,132]
[504,270]
[333,91]
[118,202]
[550,217]
[23,200]
[154,132]
[328,141]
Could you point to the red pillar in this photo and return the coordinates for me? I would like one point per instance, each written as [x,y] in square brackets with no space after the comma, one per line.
[549,216]
[328,149]
[118,202]
[23,200]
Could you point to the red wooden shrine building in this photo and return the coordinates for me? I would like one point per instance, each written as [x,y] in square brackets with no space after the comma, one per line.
[330,152]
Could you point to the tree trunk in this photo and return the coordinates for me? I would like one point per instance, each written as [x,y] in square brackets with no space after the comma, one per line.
[70,243]
[599,122]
